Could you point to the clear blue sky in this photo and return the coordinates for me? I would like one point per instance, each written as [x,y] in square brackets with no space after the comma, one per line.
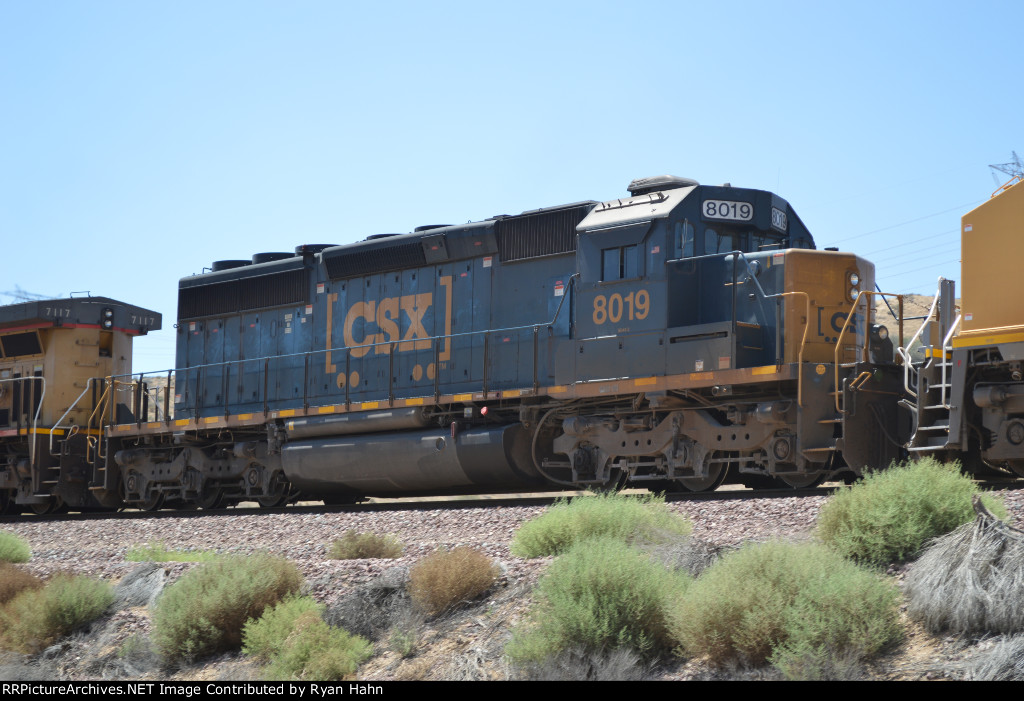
[139,141]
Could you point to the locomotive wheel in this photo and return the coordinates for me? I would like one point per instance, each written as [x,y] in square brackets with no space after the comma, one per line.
[51,505]
[211,498]
[154,503]
[274,501]
[717,472]
[278,494]
[802,481]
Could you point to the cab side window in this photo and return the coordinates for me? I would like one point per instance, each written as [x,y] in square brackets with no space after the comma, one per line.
[715,242]
[620,263]
[684,239]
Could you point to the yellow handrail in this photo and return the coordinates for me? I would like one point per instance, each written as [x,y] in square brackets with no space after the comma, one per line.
[864,348]
[99,410]
[803,342]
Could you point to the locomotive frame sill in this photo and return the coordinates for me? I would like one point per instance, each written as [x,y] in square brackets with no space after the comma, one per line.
[579,390]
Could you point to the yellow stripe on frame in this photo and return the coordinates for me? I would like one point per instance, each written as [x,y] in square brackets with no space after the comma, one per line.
[993,340]
[58,431]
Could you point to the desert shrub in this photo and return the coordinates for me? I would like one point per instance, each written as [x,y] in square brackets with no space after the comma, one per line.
[627,518]
[795,604]
[13,581]
[599,596]
[36,618]
[970,581]
[13,548]
[403,642]
[315,650]
[446,578]
[158,552]
[204,612]
[354,546]
[264,637]
[889,515]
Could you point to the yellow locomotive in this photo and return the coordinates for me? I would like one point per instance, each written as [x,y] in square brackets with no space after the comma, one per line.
[55,398]
[967,397]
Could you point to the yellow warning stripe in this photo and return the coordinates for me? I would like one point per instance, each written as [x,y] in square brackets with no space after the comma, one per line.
[972,341]
[581,389]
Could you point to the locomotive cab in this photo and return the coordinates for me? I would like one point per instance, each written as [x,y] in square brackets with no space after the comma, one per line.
[57,358]
[717,295]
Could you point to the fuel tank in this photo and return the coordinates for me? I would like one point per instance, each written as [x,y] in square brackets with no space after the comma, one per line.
[478,459]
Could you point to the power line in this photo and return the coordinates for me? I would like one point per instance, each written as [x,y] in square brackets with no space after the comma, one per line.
[908,243]
[911,221]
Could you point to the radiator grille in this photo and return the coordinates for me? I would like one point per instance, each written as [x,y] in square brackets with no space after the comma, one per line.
[541,234]
[377,260]
[247,294]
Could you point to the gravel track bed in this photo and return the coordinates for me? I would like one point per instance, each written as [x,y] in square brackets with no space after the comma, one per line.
[98,547]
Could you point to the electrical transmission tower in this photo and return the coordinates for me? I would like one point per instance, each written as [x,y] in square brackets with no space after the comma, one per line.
[1015,169]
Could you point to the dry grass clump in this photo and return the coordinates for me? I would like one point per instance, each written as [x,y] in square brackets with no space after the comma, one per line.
[374,608]
[36,618]
[1004,662]
[13,581]
[890,515]
[684,554]
[628,518]
[356,546]
[799,606]
[576,665]
[971,580]
[447,578]
[204,612]
[13,548]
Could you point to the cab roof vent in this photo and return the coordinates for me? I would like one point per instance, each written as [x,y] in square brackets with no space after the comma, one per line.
[642,186]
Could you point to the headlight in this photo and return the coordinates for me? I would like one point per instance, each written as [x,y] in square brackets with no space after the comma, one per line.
[881,332]
[854,279]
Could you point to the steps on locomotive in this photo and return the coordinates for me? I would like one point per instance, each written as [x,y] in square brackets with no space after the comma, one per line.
[933,417]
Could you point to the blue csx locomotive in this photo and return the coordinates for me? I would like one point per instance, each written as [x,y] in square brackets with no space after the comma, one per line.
[672,338]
